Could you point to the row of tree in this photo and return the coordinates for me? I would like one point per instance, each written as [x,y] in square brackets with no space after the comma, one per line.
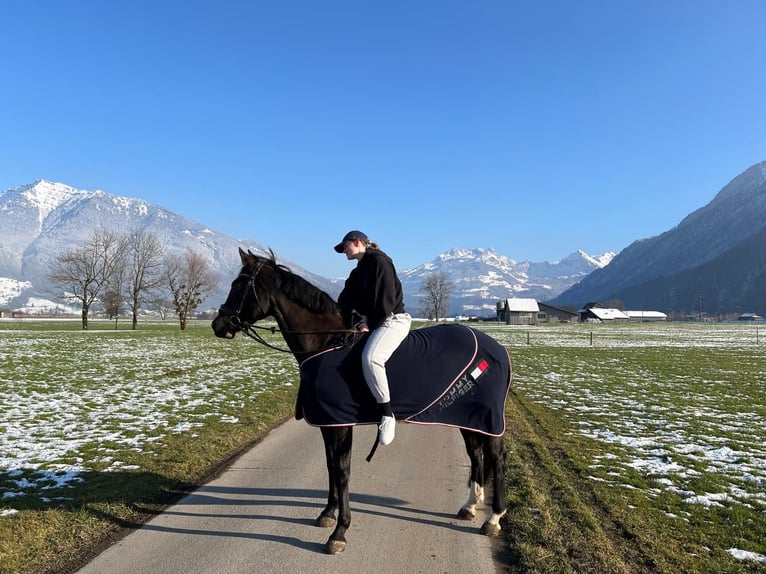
[131,270]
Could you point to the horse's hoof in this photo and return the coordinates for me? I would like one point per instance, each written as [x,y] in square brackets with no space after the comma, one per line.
[334,546]
[325,521]
[490,529]
[466,514]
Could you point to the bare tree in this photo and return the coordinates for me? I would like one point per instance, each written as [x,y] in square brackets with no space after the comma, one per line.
[83,271]
[435,294]
[112,301]
[143,268]
[190,280]
[162,304]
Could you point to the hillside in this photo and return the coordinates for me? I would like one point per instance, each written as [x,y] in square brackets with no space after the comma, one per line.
[661,271]
[42,220]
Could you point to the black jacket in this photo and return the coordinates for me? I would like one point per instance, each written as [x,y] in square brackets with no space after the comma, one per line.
[372,289]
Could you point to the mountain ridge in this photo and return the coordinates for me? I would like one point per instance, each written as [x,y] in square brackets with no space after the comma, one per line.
[39,220]
[714,231]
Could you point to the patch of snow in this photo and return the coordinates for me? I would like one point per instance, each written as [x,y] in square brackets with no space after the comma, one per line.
[746,555]
[11,288]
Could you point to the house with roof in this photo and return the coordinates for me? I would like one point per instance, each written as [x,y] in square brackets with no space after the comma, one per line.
[518,311]
[749,317]
[551,314]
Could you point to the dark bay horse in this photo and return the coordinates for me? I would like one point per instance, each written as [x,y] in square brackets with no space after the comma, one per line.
[310,321]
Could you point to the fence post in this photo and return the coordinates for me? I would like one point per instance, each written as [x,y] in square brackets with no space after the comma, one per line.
[591,338]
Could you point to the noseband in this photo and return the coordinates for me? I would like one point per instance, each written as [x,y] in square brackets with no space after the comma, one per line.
[233,315]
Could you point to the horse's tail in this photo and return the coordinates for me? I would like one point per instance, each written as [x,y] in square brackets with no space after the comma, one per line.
[487,454]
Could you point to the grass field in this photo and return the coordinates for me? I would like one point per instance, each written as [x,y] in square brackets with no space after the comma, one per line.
[633,448]
[647,440]
[101,426]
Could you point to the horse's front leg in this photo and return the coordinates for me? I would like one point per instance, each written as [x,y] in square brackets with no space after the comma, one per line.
[326,518]
[338,448]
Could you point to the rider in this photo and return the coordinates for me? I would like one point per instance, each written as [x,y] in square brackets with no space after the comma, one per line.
[373,290]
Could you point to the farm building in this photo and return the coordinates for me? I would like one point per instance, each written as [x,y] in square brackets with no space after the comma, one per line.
[518,311]
[646,316]
[749,317]
[593,312]
[551,314]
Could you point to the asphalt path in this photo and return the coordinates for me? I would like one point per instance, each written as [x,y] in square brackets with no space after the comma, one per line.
[258,515]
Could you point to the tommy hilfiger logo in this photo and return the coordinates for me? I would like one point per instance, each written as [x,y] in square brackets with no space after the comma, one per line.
[463,385]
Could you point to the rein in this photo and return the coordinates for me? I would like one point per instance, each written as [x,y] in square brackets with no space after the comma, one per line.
[250,330]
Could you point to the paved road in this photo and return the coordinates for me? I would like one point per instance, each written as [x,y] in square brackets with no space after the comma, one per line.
[258,515]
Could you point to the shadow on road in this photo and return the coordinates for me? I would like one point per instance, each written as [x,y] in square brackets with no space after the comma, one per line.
[201,500]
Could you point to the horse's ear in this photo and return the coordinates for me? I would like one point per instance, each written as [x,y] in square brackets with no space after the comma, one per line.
[245,257]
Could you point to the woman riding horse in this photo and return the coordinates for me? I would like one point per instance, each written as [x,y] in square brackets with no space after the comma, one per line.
[310,321]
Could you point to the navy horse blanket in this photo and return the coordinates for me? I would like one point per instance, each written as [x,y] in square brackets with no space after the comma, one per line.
[449,375]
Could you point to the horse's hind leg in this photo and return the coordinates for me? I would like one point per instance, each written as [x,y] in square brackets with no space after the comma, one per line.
[495,453]
[338,449]
[473,446]
[487,455]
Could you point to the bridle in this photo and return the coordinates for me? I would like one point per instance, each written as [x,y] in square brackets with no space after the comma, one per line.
[250,329]
[233,315]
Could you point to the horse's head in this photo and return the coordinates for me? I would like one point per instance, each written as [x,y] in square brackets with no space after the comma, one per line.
[248,300]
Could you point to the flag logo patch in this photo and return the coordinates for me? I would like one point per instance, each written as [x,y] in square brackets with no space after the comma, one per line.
[479,370]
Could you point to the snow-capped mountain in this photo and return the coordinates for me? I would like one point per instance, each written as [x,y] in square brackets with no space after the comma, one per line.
[716,254]
[42,220]
[481,277]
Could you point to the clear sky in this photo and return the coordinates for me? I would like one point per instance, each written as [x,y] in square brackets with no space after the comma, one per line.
[534,128]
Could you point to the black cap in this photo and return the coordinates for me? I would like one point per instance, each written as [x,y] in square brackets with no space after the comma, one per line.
[355,234]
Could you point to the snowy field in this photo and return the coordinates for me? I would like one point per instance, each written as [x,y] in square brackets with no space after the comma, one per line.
[73,401]
[679,408]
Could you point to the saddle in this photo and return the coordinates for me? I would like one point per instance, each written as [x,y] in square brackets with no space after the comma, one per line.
[448,375]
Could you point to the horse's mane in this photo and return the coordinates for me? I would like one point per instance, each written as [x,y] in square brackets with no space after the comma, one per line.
[299,290]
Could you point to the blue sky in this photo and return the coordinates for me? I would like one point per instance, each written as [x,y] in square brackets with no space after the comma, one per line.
[534,128]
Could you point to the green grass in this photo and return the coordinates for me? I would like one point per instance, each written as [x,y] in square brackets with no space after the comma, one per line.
[612,433]
[130,391]
[615,447]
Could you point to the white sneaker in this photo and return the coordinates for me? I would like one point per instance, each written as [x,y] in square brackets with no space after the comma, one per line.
[387,429]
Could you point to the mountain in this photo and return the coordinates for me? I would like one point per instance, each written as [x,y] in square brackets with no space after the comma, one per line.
[716,254]
[44,219]
[482,277]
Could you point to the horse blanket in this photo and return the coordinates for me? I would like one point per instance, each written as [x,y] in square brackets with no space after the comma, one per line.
[449,375]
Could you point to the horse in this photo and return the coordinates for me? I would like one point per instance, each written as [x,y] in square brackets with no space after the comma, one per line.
[310,321]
